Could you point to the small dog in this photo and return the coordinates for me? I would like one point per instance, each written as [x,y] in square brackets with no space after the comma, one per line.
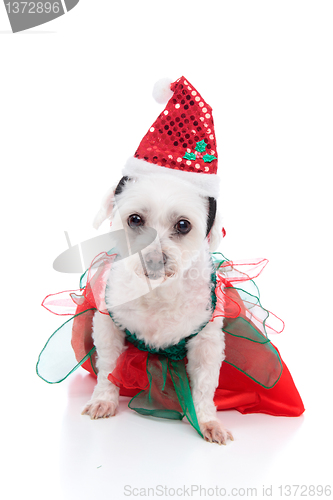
[178,267]
[158,298]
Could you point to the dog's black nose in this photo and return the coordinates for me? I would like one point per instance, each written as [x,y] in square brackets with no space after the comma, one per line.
[155,261]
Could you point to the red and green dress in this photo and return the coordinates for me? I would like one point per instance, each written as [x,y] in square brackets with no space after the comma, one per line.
[253,377]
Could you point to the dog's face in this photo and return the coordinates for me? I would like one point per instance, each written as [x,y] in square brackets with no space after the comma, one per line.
[176,211]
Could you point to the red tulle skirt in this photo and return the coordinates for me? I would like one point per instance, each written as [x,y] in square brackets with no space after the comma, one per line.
[253,377]
[235,391]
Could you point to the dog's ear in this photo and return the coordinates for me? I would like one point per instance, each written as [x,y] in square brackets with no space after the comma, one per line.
[215,235]
[105,211]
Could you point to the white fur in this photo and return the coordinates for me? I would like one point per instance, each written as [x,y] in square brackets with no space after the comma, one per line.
[207,184]
[161,91]
[163,310]
[106,209]
[109,342]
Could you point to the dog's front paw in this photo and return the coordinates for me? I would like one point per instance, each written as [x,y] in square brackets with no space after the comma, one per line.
[214,432]
[100,408]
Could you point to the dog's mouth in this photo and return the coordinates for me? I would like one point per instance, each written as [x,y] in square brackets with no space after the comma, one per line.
[157,266]
[157,276]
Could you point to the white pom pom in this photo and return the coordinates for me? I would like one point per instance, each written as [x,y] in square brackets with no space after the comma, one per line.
[161,91]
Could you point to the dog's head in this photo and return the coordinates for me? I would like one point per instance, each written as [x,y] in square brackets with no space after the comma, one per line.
[179,215]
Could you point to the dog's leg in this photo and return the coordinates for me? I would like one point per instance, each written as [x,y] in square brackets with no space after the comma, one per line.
[205,353]
[109,342]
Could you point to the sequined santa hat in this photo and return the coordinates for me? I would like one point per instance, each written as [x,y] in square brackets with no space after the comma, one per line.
[181,142]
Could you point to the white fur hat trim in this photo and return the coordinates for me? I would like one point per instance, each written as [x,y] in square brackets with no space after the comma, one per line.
[208,184]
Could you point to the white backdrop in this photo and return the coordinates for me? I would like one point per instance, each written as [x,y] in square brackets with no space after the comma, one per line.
[75,103]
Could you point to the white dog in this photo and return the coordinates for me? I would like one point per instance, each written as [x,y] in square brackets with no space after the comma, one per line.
[177,266]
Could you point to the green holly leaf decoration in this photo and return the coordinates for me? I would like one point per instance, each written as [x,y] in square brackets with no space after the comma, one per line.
[208,158]
[201,146]
[189,156]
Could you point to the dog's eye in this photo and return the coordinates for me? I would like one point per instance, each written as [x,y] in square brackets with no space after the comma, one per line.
[183,226]
[135,220]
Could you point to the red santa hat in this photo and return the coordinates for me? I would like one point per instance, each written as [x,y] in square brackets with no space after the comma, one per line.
[181,142]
